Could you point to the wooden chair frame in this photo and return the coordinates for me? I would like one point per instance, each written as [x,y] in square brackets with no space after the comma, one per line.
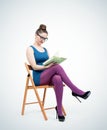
[35,88]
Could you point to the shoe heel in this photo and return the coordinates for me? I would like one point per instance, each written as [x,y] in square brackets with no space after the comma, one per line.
[77,99]
[56,115]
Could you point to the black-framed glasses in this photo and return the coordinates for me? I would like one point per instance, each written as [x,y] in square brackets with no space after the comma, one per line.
[43,38]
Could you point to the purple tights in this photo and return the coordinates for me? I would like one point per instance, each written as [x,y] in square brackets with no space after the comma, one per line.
[56,75]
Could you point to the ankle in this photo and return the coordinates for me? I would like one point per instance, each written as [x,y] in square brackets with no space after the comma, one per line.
[59,112]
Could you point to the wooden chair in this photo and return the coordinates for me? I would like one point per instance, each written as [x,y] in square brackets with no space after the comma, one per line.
[35,88]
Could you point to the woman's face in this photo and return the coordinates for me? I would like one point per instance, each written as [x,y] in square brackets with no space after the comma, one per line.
[41,38]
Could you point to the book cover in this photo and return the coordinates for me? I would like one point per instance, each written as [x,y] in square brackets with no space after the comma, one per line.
[54,59]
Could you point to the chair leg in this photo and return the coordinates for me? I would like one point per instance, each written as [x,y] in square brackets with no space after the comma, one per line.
[44,96]
[24,101]
[25,95]
[40,104]
[63,111]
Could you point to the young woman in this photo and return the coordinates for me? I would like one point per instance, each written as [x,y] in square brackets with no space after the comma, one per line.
[51,74]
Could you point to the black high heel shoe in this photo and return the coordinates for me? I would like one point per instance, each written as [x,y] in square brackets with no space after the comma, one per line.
[84,96]
[60,118]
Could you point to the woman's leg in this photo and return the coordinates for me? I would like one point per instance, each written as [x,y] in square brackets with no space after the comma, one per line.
[56,75]
[46,78]
[58,87]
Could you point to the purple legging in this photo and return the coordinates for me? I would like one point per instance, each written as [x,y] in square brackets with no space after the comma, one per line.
[56,75]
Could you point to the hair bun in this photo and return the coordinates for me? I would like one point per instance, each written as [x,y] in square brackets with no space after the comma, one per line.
[43,27]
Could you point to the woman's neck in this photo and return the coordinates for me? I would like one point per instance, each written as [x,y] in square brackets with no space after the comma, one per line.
[36,44]
[38,47]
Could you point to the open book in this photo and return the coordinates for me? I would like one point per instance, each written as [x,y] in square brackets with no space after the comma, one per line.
[54,59]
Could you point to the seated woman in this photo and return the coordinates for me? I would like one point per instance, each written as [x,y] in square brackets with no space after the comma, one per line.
[51,74]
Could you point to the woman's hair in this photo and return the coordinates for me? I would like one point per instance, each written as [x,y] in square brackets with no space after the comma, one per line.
[41,29]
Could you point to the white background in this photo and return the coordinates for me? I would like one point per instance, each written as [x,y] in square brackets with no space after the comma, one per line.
[77,30]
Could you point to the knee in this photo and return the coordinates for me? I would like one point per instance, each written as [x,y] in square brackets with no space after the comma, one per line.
[56,78]
[57,81]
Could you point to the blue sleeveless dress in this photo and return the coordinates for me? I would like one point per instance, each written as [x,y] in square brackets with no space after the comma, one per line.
[40,57]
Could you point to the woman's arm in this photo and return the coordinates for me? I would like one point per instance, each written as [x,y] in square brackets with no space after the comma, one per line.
[32,62]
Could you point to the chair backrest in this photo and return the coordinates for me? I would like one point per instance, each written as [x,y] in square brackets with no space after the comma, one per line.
[29,69]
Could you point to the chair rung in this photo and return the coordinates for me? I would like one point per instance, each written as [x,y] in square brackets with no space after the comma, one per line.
[30,103]
[49,108]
